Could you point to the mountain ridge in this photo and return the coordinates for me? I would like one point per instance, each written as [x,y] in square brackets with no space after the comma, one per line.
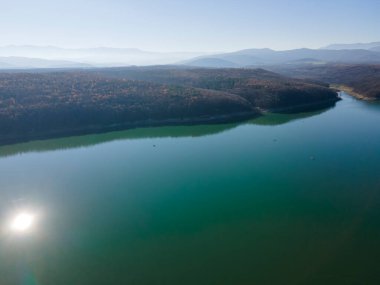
[366,46]
[29,56]
[260,57]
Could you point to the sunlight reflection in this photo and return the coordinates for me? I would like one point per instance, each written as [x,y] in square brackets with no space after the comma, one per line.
[22,222]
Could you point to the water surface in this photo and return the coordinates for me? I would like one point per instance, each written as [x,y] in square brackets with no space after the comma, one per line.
[282,199]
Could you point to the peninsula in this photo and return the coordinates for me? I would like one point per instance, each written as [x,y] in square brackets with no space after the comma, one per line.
[44,103]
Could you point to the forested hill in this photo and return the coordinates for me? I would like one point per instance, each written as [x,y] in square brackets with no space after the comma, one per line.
[263,89]
[364,79]
[46,104]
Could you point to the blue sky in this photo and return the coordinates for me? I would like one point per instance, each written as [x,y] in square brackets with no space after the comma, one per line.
[192,25]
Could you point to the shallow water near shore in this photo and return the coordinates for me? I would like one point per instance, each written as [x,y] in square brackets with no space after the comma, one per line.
[281,199]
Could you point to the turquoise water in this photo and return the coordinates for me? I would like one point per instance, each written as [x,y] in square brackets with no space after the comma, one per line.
[283,199]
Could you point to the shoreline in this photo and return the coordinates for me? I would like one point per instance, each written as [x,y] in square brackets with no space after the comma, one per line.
[221,119]
[97,129]
[350,91]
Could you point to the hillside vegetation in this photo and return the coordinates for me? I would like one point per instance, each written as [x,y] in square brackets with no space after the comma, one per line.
[263,89]
[46,104]
[363,79]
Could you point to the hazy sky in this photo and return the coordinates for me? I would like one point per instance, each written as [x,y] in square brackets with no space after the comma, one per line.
[189,25]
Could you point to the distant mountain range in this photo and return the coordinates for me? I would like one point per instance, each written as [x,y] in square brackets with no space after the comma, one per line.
[25,57]
[262,57]
[14,62]
[99,57]
[367,46]
[376,49]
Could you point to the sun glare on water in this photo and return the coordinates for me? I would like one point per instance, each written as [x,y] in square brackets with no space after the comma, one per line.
[22,222]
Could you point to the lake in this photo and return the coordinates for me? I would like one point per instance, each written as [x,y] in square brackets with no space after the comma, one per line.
[281,199]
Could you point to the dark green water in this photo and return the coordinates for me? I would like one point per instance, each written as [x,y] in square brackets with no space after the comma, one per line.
[284,199]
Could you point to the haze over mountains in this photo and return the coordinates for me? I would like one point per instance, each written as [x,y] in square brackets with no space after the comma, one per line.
[13,56]
[337,53]
[367,46]
[25,57]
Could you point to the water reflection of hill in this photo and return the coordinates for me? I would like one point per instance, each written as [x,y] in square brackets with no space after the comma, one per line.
[270,119]
[94,139]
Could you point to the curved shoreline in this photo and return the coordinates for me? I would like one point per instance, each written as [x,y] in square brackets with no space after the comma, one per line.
[221,119]
[94,129]
[350,91]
